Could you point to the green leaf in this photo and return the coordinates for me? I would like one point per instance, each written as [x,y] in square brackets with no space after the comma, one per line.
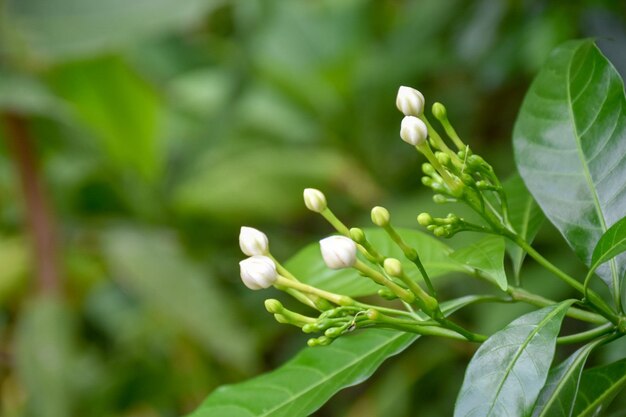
[558,395]
[118,107]
[487,256]
[152,266]
[309,267]
[26,95]
[598,387]
[570,148]
[59,29]
[306,382]
[611,244]
[507,372]
[524,215]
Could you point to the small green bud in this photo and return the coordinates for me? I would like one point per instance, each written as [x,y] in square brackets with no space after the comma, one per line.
[357,235]
[443,158]
[387,294]
[461,154]
[439,111]
[428,169]
[427,181]
[380,216]
[333,332]
[312,342]
[476,161]
[393,267]
[273,306]
[372,314]
[425,219]
[439,188]
[310,328]
[440,231]
[467,179]
[430,303]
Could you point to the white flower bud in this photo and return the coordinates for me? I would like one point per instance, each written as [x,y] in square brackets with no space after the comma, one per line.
[380,216]
[413,131]
[410,101]
[314,200]
[253,242]
[258,272]
[338,252]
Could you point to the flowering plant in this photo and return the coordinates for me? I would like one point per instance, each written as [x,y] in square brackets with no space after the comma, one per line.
[570,149]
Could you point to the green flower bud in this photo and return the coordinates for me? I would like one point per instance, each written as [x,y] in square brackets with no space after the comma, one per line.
[310,328]
[273,306]
[439,111]
[428,169]
[357,235]
[427,181]
[380,216]
[440,231]
[315,200]
[425,219]
[281,319]
[387,294]
[393,267]
[440,199]
[372,314]
[334,332]
[443,158]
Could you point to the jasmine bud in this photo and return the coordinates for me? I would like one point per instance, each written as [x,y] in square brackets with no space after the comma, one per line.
[413,131]
[253,242]
[428,169]
[425,219]
[380,216]
[273,306]
[410,101]
[440,231]
[440,199]
[393,267]
[315,200]
[439,111]
[338,252]
[258,272]
[357,235]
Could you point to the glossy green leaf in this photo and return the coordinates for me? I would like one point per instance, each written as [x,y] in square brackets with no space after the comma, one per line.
[524,215]
[152,266]
[598,387]
[570,148]
[117,107]
[306,382]
[309,267]
[58,29]
[487,256]
[558,395]
[507,372]
[611,244]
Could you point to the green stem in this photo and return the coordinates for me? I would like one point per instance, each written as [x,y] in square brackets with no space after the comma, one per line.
[335,222]
[311,300]
[519,294]
[585,336]
[593,298]
[380,279]
[341,300]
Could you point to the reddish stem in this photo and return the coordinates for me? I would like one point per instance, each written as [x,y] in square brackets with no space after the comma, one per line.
[39,216]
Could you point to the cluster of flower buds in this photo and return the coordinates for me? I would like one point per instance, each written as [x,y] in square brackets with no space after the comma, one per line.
[453,175]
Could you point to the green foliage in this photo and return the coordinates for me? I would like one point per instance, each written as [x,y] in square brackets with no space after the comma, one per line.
[487,256]
[611,244]
[508,370]
[598,387]
[569,148]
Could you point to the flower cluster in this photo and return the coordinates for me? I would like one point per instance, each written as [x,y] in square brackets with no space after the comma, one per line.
[454,176]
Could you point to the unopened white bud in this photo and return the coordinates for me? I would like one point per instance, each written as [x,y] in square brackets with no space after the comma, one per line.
[410,101]
[380,216]
[258,272]
[413,131]
[253,242]
[338,252]
[314,200]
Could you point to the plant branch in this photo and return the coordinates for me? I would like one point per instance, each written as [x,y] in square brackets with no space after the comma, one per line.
[38,213]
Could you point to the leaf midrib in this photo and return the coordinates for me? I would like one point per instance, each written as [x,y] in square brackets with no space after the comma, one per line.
[603,396]
[587,173]
[509,368]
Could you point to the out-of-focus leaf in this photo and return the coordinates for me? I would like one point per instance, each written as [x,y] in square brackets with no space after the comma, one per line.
[152,266]
[598,387]
[43,350]
[487,256]
[118,107]
[59,29]
[307,381]
[255,182]
[507,372]
[611,244]
[525,216]
[14,261]
[558,396]
[308,266]
[202,92]
[26,95]
[570,148]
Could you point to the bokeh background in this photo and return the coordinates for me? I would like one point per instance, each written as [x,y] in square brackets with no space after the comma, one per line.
[137,136]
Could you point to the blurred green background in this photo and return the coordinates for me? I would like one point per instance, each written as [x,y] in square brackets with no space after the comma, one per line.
[138,136]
